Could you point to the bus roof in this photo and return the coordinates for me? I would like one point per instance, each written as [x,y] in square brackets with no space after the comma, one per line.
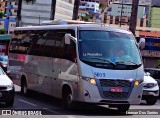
[74,26]
[64,22]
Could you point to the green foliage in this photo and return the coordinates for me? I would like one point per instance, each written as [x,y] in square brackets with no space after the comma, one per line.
[87,17]
[1,14]
[101,6]
[2,31]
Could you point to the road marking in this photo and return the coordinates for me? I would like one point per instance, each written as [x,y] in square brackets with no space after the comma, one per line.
[70,117]
[27,102]
[56,113]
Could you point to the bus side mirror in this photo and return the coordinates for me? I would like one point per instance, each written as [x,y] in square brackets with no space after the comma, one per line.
[67,38]
[141,43]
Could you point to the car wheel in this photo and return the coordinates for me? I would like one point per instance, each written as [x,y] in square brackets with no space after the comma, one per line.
[123,108]
[10,102]
[24,88]
[151,100]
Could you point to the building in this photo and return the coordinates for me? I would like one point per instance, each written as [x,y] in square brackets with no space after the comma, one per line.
[84,2]
[2,6]
[8,22]
[119,12]
[141,2]
[41,10]
[11,14]
[11,7]
[154,17]
[91,7]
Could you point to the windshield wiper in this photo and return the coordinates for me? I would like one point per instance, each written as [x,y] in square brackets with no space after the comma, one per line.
[105,60]
[125,62]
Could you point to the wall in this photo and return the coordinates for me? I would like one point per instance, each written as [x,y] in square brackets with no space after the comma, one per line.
[33,14]
[154,18]
[116,10]
[64,9]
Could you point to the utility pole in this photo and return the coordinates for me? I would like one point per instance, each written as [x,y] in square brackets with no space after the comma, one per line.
[19,13]
[133,18]
[53,9]
[76,9]
[121,13]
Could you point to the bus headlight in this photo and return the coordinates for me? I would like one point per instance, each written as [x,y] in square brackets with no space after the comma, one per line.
[90,80]
[137,82]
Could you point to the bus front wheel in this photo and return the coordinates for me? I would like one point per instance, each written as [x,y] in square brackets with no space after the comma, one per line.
[123,108]
[67,99]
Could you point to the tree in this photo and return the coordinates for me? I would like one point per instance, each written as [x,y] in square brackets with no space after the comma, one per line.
[1,14]
[2,31]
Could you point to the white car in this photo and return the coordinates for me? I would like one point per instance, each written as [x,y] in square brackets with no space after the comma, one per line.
[150,89]
[7,90]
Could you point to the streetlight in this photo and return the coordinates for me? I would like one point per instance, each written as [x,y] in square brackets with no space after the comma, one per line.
[121,13]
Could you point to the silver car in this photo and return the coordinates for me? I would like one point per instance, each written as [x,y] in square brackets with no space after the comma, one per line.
[7,90]
[150,89]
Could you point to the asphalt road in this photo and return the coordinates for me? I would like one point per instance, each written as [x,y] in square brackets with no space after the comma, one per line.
[50,106]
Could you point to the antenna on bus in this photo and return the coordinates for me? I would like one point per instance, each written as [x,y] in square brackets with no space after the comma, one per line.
[65,22]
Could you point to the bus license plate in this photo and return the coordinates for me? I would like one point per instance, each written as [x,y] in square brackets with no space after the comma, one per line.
[116,89]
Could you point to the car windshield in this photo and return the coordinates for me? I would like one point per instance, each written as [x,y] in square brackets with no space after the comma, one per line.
[3,58]
[108,47]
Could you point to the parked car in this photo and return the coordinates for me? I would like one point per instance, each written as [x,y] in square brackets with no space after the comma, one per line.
[150,89]
[155,73]
[4,62]
[7,90]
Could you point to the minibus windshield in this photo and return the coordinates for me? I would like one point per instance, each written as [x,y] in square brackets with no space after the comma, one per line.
[108,47]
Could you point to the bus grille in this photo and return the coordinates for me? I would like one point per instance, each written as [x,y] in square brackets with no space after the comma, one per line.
[115,83]
[115,94]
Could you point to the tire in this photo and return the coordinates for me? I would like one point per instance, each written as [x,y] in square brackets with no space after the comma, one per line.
[24,88]
[67,101]
[151,100]
[123,108]
[10,102]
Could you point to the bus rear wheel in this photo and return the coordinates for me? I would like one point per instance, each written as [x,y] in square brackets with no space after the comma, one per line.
[24,88]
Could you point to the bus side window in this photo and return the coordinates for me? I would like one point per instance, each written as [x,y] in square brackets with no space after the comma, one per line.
[37,43]
[20,42]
